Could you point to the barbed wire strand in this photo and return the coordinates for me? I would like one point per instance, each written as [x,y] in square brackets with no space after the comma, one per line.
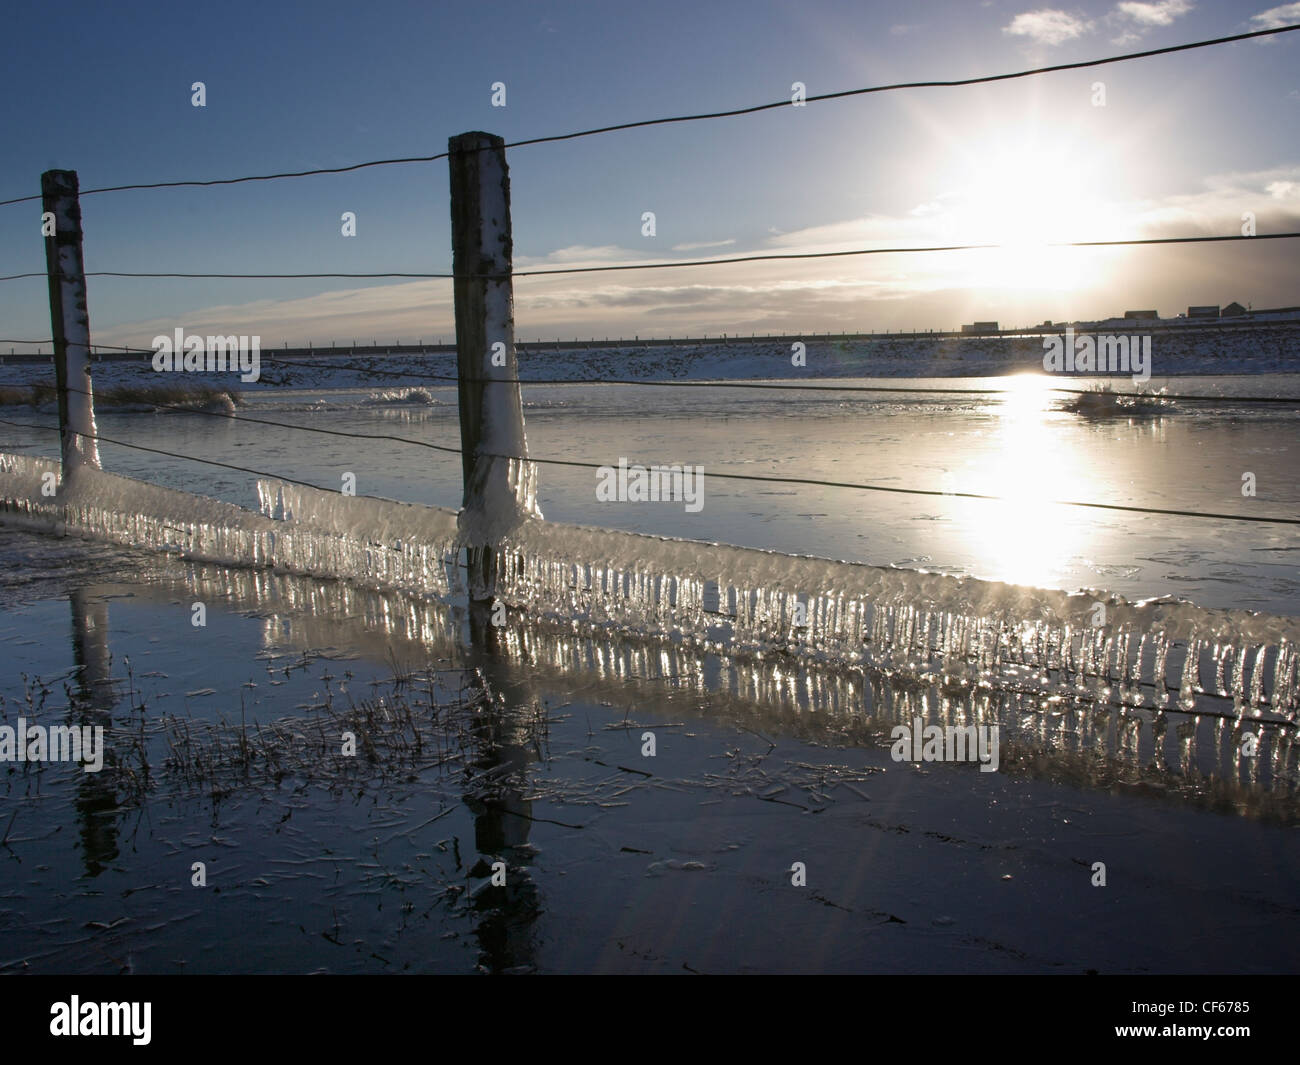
[171,454]
[810,482]
[984,79]
[419,376]
[678,264]
[706,116]
[784,387]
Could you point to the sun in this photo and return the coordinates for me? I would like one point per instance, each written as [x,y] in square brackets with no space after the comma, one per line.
[1025,197]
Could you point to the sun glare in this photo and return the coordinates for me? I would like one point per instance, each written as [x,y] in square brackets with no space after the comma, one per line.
[1026,396]
[1023,199]
[1023,538]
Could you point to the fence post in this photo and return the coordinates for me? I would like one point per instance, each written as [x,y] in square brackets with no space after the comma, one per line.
[69,322]
[498,492]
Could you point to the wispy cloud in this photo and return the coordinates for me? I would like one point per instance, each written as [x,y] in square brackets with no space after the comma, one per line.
[1048,26]
[1133,19]
[1286,15]
[575,255]
[1154,12]
[887,290]
[697,245]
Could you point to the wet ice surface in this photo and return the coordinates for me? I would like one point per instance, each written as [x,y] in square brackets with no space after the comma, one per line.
[615,862]
[1026,448]
[931,867]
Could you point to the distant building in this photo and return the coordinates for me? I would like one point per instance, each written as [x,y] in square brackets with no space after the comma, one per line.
[1141,314]
[1203,312]
[980,327]
[1233,310]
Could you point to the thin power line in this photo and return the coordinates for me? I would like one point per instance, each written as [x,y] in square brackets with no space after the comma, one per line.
[928,492]
[121,273]
[289,425]
[239,180]
[417,375]
[811,482]
[899,251]
[980,80]
[679,263]
[171,454]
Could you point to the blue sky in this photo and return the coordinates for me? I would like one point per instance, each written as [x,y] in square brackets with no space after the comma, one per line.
[1183,145]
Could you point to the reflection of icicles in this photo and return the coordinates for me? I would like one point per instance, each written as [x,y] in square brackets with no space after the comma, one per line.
[1284,679]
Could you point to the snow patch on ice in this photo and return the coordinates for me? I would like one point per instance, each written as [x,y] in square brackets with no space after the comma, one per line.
[402,396]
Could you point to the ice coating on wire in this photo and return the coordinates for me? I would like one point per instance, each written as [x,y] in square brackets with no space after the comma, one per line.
[958,632]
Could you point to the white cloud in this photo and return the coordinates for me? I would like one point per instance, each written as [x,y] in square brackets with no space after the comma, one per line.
[1216,209]
[575,255]
[1154,12]
[1134,18]
[1049,26]
[1286,15]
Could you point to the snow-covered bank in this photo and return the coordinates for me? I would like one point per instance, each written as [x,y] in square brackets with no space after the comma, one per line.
[1264,348]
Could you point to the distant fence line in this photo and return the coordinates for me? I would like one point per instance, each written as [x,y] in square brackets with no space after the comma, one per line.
[114,353]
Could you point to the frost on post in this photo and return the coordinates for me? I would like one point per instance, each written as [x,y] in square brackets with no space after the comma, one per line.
[70,320]
[500,483]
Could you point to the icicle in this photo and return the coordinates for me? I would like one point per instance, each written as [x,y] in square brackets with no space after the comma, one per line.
[893,620]
[1190,682]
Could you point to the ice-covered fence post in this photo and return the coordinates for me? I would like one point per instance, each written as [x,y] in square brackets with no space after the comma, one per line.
[499,491]
[69,321]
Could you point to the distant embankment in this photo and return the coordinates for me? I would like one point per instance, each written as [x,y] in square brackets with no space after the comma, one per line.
[1181,328]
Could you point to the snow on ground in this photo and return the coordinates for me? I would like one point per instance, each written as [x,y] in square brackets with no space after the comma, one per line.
[1259,349]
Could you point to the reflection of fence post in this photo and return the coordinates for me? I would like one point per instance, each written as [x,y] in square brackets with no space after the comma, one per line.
[497,493]
[69,320]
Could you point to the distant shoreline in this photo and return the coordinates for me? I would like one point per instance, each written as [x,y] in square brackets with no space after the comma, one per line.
[1285,321]
[1252,350]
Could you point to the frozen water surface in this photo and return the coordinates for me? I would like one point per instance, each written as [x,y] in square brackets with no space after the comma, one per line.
[771,684]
